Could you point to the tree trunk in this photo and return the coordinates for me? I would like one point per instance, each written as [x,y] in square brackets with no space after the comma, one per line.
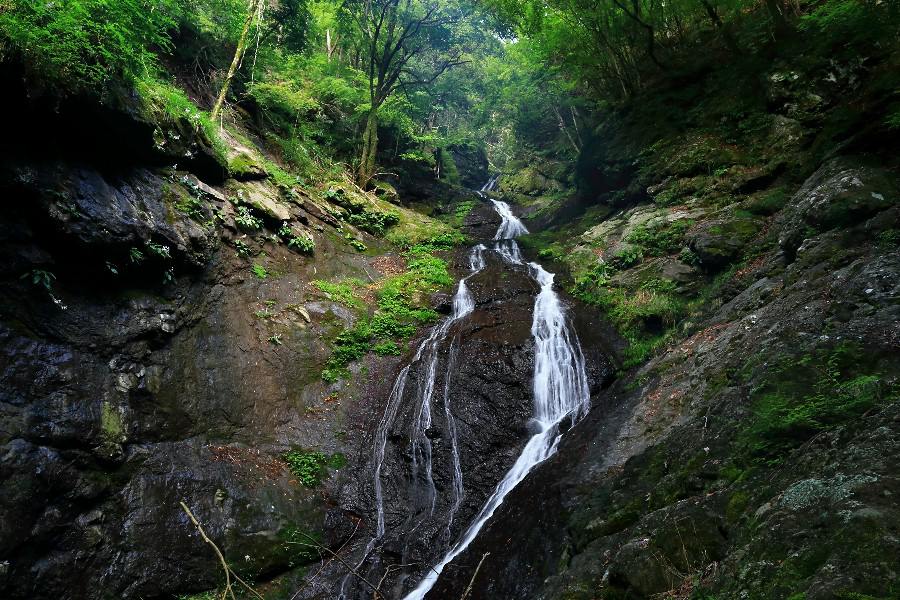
[369,149]
[776,11]
[253,8]
[565,130]
[721,27]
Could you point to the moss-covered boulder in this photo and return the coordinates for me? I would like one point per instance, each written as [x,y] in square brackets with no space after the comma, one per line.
[262,198]
[532,180]
[845,191]
[718,242]
[243,166]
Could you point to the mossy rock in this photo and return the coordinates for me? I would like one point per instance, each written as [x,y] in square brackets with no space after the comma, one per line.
[243,166]
[263,198]
[529,181]
[845,191]
[385,191]
[721,241]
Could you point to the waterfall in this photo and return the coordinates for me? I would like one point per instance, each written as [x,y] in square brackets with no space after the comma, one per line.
[560,385]
[427,352]
[463,304]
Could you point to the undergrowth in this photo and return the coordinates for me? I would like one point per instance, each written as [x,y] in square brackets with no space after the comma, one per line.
[807,395]
[310,467]
[401,308]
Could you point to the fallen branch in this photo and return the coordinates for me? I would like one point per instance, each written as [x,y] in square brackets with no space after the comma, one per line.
[474,575]
[228,571]
[319,546]
[326,563]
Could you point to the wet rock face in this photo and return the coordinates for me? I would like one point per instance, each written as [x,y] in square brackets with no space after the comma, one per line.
[655,491]
[122,396]
[486,368]
[490,396]
[843,192]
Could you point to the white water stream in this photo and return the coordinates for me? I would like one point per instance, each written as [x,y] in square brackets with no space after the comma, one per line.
[560,386]
[463,304]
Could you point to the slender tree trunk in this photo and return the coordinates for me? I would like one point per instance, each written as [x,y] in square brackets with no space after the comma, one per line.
[564,129]
[369,149]
[575,124]
[253,8]
[721,27]
[776,11]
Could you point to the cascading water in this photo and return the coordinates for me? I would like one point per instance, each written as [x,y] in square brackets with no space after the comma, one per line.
[463,304]
[560,385]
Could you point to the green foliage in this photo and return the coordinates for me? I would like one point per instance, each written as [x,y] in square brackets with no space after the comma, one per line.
[374,221]
[303,243]
[889,238]
[645,317]
[427,268]
[688,257]
[308,466]
[260,271]
[159,250]
[245,219]
[341,292]
[386,348]
[190,205]
[461,211]
[282,178]
[135,255]
[626,257]
[40,278]
[81,45]
[810,394]
[360,214]
[170,106]
[660,239]
[432,243]
[399,311]
[447,166]
[849,22]
[768,202]
[242,249]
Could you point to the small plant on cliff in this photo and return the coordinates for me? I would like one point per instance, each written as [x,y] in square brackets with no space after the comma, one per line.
[259,271]
[243,250]
[688,257]
[245,219]
[160,250]
[374,221]
[627,257]
[303,243]
[136,255]
[309,467]
[40,278]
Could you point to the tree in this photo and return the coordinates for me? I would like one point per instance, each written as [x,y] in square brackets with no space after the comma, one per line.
[406,43]
[254,13]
